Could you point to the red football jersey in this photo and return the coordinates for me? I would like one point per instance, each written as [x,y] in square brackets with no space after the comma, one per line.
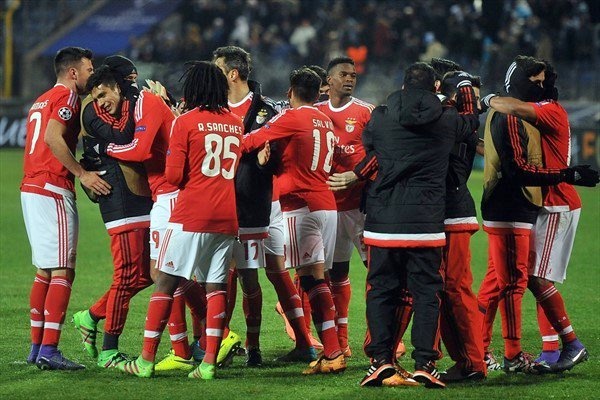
[348,122]
[40,166]
[202,160]
[241,108]
[305,140]
[275,189]
[553,122]
[153,121]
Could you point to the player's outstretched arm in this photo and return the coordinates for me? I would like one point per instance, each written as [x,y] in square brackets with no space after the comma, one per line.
[511,106]
[54,138]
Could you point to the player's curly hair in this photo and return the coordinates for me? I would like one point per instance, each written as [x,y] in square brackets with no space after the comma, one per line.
[441,66]
[205,87]
[531,65]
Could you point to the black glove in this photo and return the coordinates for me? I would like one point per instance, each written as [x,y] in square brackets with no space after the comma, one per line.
[581,175]
[459,79]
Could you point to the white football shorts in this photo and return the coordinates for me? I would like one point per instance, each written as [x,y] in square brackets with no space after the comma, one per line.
[309,237]
[52,225]
[159,219]
[350,228]
[249,254]
[275,242]
[552,240]
[205,255]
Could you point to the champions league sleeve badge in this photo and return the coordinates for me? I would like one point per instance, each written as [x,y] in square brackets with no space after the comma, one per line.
[350,123]
[261,117]
[65,113]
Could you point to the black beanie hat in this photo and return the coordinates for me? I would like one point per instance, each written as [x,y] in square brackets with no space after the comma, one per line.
[123,66]
[517,83]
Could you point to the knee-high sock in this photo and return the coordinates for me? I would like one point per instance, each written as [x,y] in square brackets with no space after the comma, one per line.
[549,298]
[323,315]
[253,313]
[215,322]
[177,323]
[55,309]
[549,336]
[341,292]
[195,299]
[37,300]
[157,316]
[291,305]
[231,298]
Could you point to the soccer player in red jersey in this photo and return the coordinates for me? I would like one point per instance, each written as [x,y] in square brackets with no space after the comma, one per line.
[259,216]
[48,202]
[305,139]
[202,160]
[511,202]
[554,230]
[349,116]
[153,119]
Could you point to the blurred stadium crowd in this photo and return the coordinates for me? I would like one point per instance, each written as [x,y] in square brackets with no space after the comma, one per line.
[382,36]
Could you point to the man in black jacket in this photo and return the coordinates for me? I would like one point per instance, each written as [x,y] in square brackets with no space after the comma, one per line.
[411,139]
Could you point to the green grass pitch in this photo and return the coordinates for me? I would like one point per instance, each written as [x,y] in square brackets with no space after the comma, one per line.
[21,381]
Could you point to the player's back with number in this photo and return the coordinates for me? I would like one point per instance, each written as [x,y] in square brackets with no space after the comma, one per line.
[305,139]
[202,159]
[40,166]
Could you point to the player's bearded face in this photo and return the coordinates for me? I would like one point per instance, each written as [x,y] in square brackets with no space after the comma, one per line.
[82,74]
[108,98]
[342,79]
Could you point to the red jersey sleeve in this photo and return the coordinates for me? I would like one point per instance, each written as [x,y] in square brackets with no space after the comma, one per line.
[279,127]
[65,108]
[177,153]
[148,119]
[550,116]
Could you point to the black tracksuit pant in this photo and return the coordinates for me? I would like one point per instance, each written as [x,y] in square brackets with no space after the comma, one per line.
[390,271]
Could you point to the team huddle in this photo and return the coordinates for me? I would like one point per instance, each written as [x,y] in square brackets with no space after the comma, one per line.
[199,193]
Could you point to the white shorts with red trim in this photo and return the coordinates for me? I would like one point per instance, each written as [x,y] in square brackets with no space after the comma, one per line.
[249,254]
[52,225]
[159,219]
[350,228]
[205,255]
[552,242]
[309,237]
[275,242]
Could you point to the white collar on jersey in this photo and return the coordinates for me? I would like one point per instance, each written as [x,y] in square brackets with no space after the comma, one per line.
[342,108]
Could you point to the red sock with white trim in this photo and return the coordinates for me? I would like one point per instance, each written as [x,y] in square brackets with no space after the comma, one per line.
[323,313]
[253,313]
[340,293]
[291,305]
[549,336]
[552,303]
[55,308]
[177,324]
[37,299]
[216,304]
[159,309]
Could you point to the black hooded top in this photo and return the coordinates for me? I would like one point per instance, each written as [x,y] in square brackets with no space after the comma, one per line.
[411,138]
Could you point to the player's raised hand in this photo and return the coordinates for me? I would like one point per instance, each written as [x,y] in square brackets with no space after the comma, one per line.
[264,155]
[342,180]
[92,181]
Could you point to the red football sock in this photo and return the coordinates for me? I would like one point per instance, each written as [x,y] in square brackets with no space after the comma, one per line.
[216,304]
[324,318]
[305,303]
[159,309]
[340,293]
[37,299]
[231,297]
[253,313]
[195,298]
[55,308]
[291,305]
[98,310]
[177,324]
[549,335]
[552,302]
